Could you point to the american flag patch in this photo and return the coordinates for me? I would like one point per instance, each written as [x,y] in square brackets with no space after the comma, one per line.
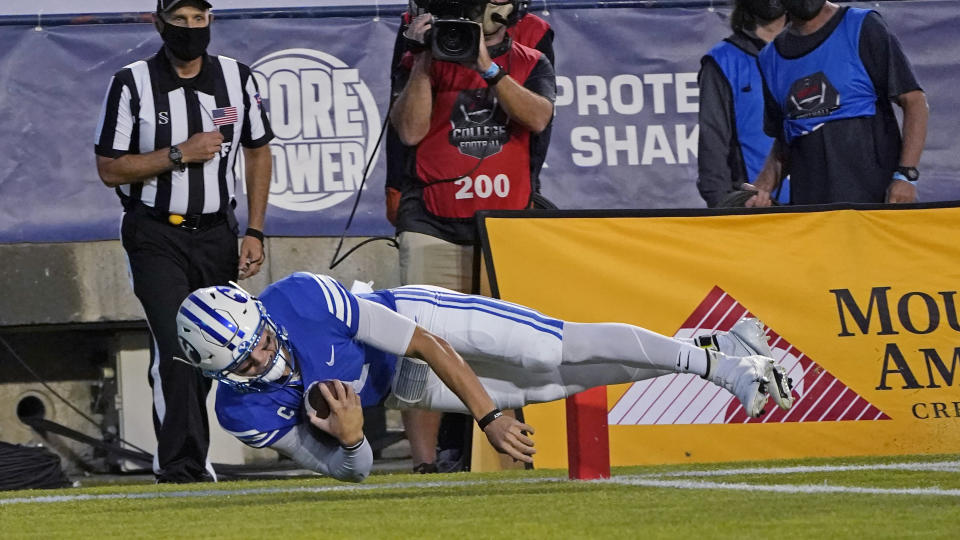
[224,116]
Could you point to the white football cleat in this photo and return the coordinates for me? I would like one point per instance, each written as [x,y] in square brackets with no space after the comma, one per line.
[746,338]
[780,386]
[746,377]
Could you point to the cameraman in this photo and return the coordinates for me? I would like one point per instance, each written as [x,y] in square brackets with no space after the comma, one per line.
[528,29]
[470,125]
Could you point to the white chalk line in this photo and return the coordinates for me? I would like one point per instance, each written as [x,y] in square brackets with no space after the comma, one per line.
[648,480]
[783,488]
[942,466]
[268,491]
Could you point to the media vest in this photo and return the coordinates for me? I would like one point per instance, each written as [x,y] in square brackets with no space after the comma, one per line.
[739,67]
[746,88]
[829,83]
[473,156]
[529,30]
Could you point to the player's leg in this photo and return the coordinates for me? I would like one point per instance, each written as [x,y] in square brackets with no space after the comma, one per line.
[489,330]
[747,371]
[493,335]
[511,385]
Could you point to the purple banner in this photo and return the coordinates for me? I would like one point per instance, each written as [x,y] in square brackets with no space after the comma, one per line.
[625,134]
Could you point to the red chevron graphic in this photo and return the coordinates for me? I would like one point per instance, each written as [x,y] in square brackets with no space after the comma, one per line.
[688,399]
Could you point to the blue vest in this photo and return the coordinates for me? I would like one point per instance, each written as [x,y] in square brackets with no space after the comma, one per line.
[828,83]
[746,86]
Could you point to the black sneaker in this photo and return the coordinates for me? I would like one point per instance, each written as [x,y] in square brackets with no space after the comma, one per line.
[425,468]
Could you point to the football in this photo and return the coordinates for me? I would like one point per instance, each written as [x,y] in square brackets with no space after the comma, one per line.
[316,403]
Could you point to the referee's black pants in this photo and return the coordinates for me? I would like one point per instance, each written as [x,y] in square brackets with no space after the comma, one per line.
[167,263]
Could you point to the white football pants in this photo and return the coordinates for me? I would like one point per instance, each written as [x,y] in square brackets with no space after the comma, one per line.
[522,356]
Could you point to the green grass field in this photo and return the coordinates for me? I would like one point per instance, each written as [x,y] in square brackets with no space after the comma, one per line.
[900,497]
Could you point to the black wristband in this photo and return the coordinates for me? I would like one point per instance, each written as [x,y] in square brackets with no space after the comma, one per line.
[490,417]
[353,447]
[254,233]
[492,81]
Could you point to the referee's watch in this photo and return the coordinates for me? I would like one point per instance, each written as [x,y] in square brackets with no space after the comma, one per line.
[176,156]
[907,174]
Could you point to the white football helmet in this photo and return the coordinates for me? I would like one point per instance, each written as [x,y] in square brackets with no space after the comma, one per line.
[217,329]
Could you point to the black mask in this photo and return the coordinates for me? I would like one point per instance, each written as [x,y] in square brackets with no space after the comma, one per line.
[766,10]
[186,43]
[803,10]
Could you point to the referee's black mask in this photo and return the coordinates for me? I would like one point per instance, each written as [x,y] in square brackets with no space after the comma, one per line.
[183,42]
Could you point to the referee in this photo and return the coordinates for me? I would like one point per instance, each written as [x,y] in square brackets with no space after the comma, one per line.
[168,139]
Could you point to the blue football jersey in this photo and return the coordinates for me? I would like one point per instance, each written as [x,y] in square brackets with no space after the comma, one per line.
[320,319]
[260,418]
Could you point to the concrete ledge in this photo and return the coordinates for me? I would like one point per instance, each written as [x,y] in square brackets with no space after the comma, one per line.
[87,282]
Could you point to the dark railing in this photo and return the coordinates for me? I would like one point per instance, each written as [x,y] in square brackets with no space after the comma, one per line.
[371,10]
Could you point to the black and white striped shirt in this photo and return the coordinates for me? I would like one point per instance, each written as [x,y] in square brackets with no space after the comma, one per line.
[148,107]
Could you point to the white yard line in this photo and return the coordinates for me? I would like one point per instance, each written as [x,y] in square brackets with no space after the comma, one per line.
[944,466]
[648,480]
[782,488]
[267,491]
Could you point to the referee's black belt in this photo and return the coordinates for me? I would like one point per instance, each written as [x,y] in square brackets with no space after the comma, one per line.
[190,222]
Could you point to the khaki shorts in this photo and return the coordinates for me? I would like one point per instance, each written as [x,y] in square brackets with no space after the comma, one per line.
[428,260]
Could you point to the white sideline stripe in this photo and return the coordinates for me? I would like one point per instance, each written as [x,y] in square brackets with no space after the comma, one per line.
[945,466]
[783,488]
[651,480]
[267,491]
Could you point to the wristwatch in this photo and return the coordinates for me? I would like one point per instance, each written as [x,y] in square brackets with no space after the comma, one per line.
[908,174]
[493,74]
[176,156]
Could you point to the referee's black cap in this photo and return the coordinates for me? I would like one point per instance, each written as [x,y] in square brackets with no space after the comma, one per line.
[170,5]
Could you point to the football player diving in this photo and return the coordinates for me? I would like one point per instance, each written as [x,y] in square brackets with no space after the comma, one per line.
[427,347]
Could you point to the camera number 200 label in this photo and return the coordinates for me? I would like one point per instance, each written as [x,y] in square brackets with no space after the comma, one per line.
[483,187]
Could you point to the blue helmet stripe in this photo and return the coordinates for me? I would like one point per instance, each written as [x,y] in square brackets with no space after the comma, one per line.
[205,327]
[229,324]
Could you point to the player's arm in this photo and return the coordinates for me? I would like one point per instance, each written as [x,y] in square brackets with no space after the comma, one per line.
[505,434]
[324,455]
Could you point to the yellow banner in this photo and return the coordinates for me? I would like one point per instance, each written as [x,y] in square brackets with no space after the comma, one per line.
[861,307]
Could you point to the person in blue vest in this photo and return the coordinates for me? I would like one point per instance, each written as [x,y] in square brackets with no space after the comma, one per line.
[430,348]
[732,144]
[829,80]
